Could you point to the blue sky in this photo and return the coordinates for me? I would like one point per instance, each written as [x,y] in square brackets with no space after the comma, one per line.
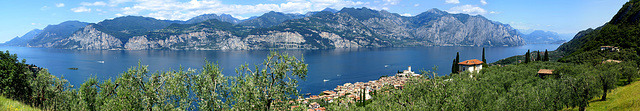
[562,16]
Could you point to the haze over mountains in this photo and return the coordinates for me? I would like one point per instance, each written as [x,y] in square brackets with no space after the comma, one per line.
[542,37]
[346,28]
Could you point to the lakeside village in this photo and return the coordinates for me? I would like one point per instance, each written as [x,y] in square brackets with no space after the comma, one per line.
[352,91]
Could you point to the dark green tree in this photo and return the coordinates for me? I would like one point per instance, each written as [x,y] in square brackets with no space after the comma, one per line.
[629,71]
[454,66]
[538,57]
[546,55]
[607,76]
[484,61]
[455,63]
[14,77]
[267,86]
[527,57]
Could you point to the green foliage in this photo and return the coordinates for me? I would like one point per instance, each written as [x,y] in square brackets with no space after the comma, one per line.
[484,61]
[268,86]
[596,56]
[622,31]
[546,55]
[7,104]
[513,87]
[538,57]
[455,66]
[527,57]
[14,77]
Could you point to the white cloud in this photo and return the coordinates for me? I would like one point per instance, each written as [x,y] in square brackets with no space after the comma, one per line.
[81,9]
[452,1]
[468,9]
[406,14]
[484,2]
[391,2]
[59,4]
[98,3]
[416,5]
[178,10]
[44,8]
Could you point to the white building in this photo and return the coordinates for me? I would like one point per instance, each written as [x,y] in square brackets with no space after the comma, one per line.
[473,65]
[407,72]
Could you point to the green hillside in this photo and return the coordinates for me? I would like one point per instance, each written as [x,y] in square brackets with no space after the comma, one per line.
[620,99]
[623,30]
[12,105]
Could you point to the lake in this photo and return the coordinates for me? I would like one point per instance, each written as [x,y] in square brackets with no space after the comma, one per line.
[338,66]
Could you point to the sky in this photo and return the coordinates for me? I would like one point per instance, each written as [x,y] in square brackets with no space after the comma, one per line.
[563,16]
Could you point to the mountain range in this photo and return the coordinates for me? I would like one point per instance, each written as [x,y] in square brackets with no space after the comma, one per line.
[346,28]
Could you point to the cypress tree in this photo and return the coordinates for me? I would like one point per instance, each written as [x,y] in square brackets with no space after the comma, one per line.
[484,61]
[546,55]
[453,66]
[538,58]
[457,61]
[527,57]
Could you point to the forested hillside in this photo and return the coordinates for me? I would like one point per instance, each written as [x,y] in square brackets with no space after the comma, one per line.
[623,30]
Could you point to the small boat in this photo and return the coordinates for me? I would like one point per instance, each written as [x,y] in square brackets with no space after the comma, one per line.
[307,94]
[386,65]
[325,80]
[101,62]
[73,68]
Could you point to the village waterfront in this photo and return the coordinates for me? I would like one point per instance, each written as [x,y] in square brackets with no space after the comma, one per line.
[327,68]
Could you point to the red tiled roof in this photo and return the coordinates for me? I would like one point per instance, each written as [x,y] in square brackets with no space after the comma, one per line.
[471,62]
[545,71]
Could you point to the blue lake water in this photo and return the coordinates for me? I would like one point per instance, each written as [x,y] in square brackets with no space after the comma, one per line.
[338,66]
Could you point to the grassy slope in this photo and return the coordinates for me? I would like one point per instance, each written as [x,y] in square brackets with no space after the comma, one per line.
[623,98]
[12,105]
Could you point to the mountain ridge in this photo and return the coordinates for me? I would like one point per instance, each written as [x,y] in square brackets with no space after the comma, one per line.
[347,28]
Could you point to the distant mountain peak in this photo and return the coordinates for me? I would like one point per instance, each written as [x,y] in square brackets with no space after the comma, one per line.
[330,10]
[436,11]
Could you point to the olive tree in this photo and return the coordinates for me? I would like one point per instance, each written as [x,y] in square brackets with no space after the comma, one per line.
[270,85]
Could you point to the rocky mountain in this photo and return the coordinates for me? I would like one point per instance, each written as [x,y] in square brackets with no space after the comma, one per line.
[326,9]
[205,17]
[542,37]
[22,40]
[55,33]
[125,27]
[269,19]
[347,28]
[622,31]
[436,27]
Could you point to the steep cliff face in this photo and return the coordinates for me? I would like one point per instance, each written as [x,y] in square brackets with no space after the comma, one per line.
[89,38]
[436,27]
[474,31]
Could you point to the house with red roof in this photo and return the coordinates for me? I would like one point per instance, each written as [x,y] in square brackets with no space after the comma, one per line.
[473,65]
